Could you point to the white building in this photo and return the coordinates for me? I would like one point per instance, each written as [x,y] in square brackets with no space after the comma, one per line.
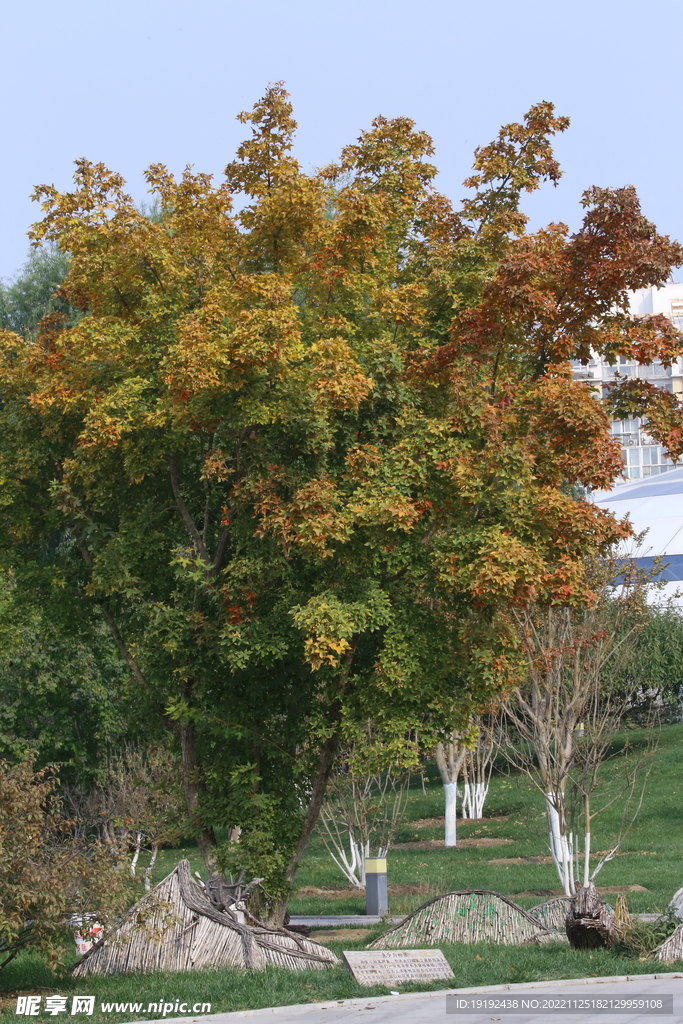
[643,457]
[655,507]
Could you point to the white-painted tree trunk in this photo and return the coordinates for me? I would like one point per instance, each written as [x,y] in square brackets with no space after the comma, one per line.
[136,855]
[352,864]
[561,846]
[449,760]
[450,793]
[474,798]
[148,869]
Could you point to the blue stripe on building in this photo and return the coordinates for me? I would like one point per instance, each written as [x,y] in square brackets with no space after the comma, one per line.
[673,566]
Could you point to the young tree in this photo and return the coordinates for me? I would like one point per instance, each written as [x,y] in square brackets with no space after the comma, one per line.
[477,768]
[450,757]
[563,719]
[469,753]
[303,455]
[364,805]
[138,802]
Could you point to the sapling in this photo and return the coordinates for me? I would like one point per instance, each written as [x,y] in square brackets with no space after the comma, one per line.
[562,720]
[364,805]
[476,771]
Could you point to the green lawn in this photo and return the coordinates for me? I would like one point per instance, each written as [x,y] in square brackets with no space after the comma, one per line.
[652,853]
[482,964]
[652,858]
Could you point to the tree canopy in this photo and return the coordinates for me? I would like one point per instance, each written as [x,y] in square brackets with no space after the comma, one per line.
[34,292]
[300,452]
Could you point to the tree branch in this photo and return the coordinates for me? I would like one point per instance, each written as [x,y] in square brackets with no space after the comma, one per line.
[184,514]
[220,551]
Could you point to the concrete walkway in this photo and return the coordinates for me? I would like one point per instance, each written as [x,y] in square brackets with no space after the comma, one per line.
[427,1007]
[342,920]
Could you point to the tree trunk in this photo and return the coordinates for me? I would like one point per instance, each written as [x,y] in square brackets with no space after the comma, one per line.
[206,840]
[450,790]
[587,841]
[326,758]
[136,855]
[561,846]
[449,762]
[148,869]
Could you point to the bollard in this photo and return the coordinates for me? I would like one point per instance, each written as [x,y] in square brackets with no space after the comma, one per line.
[376,896]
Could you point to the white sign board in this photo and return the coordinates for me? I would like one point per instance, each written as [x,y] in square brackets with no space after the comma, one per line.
[394,966]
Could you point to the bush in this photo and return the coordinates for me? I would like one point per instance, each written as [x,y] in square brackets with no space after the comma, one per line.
[49,868]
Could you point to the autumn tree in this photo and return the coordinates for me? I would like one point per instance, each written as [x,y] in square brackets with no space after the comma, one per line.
[302,453]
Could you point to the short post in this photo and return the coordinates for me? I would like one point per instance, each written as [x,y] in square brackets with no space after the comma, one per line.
[376,895]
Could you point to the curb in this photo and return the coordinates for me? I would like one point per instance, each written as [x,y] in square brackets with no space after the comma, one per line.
[362,1001]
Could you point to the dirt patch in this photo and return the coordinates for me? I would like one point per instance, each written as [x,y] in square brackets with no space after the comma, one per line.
[8,1000]
[544,860]
[340,934]
[440,822]
[406,888]
[343,892]
[604,890]
[520,860]
[435,844]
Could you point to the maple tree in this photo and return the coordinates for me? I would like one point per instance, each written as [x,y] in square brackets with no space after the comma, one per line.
[301,453]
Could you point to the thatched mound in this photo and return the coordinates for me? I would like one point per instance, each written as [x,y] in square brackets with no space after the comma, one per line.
[178,927]
[552,914]
[475,915]
[671,948]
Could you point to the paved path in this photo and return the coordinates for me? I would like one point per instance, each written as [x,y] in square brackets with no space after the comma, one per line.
[343,920]
[430,1007]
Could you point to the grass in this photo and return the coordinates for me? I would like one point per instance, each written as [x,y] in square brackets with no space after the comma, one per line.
[226,990]
[652,855]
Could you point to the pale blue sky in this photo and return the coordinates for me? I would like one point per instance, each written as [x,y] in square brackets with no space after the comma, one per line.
[132,83]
